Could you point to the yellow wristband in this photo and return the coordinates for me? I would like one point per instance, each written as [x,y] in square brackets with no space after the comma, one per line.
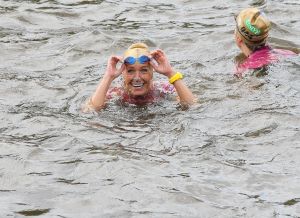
[175,77]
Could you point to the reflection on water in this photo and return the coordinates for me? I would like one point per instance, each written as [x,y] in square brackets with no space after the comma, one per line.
[235,154]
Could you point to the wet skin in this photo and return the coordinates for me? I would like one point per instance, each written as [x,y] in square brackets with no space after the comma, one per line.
[138,79]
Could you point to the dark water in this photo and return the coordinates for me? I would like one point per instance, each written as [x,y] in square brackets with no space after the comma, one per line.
[236,154]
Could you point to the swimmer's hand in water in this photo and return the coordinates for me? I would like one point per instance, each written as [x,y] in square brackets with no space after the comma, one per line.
[112,72]
[161,63]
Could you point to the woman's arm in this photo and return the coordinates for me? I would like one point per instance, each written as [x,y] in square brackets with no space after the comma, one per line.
[163,67]
[97,100]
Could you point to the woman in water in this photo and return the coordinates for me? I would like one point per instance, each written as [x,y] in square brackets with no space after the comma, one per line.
[138,65]
[251,34]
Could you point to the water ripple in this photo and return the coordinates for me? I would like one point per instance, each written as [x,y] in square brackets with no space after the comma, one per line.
[236,149]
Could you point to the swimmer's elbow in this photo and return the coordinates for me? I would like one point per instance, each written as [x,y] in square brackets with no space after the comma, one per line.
[90,107]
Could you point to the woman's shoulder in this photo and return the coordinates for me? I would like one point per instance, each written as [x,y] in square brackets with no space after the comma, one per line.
[284,52]
[263,57]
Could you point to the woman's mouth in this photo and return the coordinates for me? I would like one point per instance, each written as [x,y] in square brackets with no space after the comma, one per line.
[138,84]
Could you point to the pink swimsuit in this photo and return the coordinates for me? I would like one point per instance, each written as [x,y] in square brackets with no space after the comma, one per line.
[160,90]
[262,57]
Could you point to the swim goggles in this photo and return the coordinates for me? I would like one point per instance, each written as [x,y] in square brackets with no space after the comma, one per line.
[131,60]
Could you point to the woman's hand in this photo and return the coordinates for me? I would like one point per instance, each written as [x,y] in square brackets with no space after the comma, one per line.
[111,71]
[97,101]
[163,65]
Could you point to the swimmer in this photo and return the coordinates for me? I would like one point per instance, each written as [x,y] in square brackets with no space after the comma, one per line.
[137,68]
[251,34]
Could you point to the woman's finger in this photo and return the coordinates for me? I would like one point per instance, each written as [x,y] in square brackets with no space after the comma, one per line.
[119,58]
[154,64]
[121,69]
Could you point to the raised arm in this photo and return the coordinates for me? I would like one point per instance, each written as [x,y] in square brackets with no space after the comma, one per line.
[164,67]
[97,100]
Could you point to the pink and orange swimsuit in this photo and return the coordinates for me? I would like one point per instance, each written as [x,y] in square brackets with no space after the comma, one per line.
[160,91]
[262,57]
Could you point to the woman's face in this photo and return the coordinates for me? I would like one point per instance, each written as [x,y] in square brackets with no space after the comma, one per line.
[138,78]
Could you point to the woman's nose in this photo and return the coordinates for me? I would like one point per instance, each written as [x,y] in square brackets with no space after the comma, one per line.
[137,74]
[136,77]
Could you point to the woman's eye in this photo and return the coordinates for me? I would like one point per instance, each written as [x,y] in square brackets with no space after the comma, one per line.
[144,70]
[130,71]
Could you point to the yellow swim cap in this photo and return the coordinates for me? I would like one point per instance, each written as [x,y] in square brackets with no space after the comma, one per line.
[253,25]
[136,50]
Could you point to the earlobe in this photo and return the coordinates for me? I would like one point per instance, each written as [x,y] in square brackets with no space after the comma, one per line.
[239,41]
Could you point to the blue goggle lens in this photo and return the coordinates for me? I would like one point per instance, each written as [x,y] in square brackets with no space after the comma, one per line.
[129,60]
[142,59]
